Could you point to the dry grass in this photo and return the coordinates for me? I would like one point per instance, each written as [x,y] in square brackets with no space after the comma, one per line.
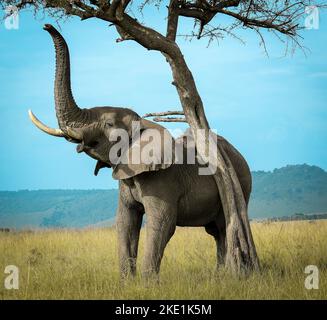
[69,264]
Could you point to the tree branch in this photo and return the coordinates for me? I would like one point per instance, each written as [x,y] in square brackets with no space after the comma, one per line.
[172,24]
[283,27]
[281,16]
[169,119]
[165,113]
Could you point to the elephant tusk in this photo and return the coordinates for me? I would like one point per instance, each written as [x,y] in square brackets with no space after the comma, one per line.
[71,135]
[43,127]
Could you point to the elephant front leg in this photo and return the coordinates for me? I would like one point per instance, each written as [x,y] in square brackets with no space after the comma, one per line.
[161,225]
[129,223]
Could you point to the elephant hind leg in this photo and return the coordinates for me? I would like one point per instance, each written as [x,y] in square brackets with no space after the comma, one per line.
[217,229]
[212,229]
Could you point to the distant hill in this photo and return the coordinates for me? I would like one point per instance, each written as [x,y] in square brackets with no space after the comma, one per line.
[56,208]
[289,190]
[283,192]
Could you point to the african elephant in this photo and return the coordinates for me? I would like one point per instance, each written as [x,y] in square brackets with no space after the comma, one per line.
[170,194]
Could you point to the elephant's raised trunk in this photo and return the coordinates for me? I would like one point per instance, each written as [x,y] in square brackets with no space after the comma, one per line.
[68,113]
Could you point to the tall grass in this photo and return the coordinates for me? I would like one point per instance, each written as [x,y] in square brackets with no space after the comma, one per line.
[66,264]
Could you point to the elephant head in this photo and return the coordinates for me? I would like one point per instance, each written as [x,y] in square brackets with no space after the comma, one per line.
[92,128]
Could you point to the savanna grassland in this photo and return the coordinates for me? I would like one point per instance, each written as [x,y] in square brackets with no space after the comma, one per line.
[83,264]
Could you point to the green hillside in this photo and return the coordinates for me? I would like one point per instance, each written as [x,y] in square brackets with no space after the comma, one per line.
[282,192]
[289,190]
[56,208]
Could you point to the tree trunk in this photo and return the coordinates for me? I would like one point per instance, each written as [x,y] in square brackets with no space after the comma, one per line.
[241,253]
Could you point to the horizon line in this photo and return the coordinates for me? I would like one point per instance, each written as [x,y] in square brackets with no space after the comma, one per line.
[108,189]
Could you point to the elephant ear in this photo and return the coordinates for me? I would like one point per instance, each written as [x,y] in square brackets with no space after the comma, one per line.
[151,150]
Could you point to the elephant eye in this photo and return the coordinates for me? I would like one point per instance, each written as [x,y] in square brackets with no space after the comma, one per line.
[109,124]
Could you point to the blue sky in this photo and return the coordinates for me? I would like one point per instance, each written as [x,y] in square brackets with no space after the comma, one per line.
[272,109]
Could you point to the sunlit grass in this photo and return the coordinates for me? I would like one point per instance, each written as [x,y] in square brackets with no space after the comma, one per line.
[66,264]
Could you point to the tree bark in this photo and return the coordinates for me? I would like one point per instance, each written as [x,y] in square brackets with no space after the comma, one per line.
[241,252]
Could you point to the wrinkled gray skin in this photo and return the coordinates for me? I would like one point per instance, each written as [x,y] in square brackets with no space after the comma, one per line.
[171,195]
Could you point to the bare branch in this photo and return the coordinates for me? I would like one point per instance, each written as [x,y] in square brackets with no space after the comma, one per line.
[159,116]
[165,113]
[284,17]
[117,8]
[169,119]
[285,28]
[281,16]
[172,24]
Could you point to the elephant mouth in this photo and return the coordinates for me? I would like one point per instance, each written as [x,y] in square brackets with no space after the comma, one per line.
[88,150]
[100,165]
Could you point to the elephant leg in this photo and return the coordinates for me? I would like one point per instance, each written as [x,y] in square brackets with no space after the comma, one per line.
[212,229]
[129,223]
[160,227]
[217,229]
